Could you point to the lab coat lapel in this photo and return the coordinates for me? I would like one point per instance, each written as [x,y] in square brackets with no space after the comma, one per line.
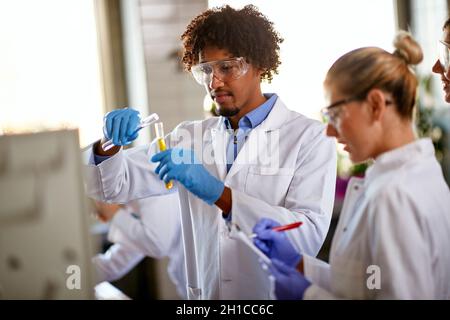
[219,140]
[249,152]
[256,144]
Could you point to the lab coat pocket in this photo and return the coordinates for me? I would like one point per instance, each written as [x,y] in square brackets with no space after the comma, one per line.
[268,183]
[194,293]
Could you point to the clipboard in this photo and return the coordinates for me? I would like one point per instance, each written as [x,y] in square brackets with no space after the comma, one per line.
[245,239]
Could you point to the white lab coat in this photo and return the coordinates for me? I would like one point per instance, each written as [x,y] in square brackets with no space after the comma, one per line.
[116,262]
[401,223]
[135,237]
[300,188]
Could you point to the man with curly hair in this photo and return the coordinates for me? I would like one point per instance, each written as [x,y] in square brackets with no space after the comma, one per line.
[256,159]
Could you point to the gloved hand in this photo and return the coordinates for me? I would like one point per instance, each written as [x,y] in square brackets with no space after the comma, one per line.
[289,283]
[183,166]
[275,244]
[120,126]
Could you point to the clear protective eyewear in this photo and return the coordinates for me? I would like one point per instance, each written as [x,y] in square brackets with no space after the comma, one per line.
[444,55]
[332,113]
[224,70]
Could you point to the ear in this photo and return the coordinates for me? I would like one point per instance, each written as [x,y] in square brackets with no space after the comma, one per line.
[255,73]
[258,71]
[377,104]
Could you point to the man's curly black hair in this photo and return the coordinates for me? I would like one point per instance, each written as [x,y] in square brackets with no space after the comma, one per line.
[244,33]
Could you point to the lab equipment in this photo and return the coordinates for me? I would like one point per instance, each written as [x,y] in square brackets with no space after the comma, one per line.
[183,166]
[236,230]
[45,243]
[144,123]
[275,245]
[159,130]
[281,228]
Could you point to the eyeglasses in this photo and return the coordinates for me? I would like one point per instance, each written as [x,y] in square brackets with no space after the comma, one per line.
[224,70]
[444,55]
[331,114]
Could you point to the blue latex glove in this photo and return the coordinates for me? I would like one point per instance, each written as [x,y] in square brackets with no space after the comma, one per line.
[275,244]
[183,166]
[289,283]
[120,126]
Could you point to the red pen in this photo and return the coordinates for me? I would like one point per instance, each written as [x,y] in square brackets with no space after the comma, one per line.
[282,228]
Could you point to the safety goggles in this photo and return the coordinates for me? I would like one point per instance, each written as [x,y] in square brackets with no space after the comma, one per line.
[444,55]
[331,114]
[223,70]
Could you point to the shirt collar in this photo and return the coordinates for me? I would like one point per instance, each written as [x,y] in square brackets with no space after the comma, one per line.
[394,159]
[254,118]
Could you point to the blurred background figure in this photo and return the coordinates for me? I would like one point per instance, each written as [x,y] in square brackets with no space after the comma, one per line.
[135,235]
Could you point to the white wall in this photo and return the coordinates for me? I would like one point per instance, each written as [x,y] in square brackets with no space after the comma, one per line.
[172,93]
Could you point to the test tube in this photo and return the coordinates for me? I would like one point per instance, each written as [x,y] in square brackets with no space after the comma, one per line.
[159,129]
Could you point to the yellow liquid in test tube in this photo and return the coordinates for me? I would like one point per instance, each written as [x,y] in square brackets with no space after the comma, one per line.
[159,129]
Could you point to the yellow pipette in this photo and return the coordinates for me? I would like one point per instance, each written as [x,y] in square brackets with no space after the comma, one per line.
[159,129]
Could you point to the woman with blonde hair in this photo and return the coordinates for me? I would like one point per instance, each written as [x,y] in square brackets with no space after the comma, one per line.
[392,238]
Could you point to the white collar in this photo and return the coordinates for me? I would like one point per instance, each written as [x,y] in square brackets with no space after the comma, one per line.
[394,159]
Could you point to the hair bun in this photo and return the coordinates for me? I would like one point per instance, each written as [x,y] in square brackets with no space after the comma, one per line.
[407,48]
